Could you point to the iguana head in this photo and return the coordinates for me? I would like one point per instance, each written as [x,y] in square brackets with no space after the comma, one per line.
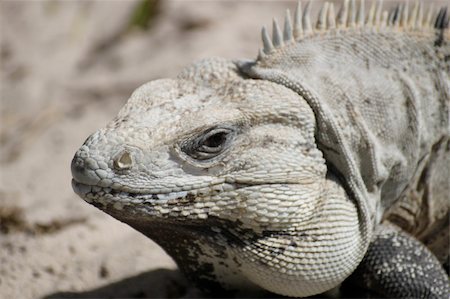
[220,170]
[194,147]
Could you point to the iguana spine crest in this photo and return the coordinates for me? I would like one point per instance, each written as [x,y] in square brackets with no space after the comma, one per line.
[351,17]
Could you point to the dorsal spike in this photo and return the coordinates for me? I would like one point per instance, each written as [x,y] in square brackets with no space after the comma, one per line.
[413,15]
[441,19]
[371,14]
[430,14]
[261,54]
[378,13]
[394,16]
[361,14]
[267,43]
[405,12]
[287,33]
[322,19]
[437,18]
[277,38]
[400,15]
[331,19]
[343,15]
[298,23]
[384,19]
[307,27]
[446,19]
[419,19]
[352,14]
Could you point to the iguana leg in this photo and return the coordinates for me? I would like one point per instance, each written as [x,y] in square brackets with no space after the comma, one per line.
[397,265]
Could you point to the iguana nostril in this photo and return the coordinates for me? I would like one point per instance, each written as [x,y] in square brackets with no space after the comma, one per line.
[123,161]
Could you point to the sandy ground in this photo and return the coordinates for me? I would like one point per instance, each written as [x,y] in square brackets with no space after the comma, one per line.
[66,69]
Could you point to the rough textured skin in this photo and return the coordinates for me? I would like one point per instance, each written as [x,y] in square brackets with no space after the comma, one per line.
[394,256]
[283,173]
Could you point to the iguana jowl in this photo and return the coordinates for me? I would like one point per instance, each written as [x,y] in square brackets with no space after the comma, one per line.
[287,173]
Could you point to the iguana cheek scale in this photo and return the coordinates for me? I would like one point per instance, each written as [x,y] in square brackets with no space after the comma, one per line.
[291,172]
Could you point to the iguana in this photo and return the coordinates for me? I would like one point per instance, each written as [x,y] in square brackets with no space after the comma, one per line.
[324,160]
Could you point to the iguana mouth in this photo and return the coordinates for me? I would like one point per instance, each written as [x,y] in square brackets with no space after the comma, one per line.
[92,193]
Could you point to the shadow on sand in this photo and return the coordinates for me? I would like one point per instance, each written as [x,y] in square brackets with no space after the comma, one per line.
[165,283]
[159,283]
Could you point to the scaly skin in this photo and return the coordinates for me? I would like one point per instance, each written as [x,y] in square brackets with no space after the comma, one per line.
[276,174]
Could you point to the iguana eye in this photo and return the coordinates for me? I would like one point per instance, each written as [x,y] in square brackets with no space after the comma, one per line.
[210,144]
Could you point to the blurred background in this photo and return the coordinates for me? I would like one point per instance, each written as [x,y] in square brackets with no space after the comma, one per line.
[66,69]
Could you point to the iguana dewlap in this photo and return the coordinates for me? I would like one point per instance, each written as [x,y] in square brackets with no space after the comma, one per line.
[291,172]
